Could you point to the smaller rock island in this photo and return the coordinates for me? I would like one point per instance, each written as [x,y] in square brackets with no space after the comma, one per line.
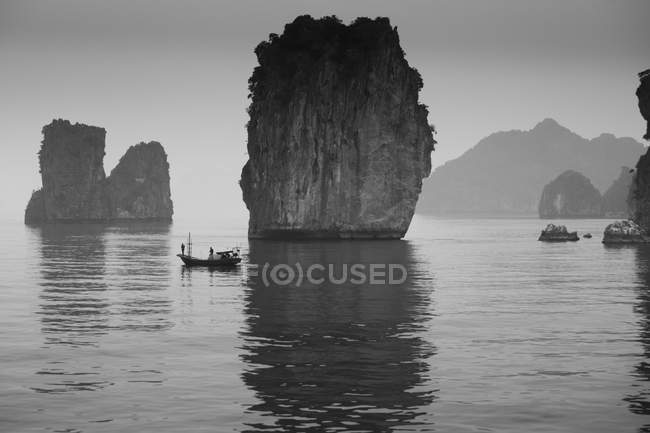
[624,232]
[557,233]
[570,195]
[75,186]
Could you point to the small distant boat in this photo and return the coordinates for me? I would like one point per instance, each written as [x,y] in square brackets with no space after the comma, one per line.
[220,258]
[223,258]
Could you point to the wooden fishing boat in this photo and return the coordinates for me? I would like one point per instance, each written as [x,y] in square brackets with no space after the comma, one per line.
[223,258]
[218,259]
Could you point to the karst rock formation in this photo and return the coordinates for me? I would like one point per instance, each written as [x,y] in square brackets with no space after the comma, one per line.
[338,143]
[640,192]
[76,189]
[570,195]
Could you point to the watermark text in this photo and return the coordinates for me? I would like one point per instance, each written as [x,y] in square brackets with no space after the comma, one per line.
[284,274]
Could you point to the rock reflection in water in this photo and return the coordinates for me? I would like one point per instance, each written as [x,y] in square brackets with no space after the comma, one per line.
[97,280]
[639,400]
[74,303]
[337,357]
[138,272]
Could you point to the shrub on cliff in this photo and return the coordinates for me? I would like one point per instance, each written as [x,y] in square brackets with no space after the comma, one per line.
[306,42]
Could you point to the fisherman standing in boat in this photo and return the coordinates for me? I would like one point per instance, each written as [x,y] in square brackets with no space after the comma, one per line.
[182,248]
[211,256]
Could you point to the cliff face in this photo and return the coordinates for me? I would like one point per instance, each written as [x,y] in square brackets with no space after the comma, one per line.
[72,171]
[570,195]
[75,187]
[505,172]
[643,93]
[138,187]
[640,194]
[35,211]
[615,199]
[337,141]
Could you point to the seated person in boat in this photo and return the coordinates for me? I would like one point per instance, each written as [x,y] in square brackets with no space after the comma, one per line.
[214,256]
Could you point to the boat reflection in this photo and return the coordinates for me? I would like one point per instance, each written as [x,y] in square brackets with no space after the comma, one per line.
[325,357]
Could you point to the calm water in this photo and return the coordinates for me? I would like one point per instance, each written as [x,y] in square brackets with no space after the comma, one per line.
[103,330]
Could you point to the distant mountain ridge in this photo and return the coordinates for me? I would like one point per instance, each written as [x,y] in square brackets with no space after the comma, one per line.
[504,174]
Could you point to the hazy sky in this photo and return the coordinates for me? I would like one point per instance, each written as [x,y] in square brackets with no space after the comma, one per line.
[177,72]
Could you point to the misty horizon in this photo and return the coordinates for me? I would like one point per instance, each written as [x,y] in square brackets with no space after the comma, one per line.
[178,75]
